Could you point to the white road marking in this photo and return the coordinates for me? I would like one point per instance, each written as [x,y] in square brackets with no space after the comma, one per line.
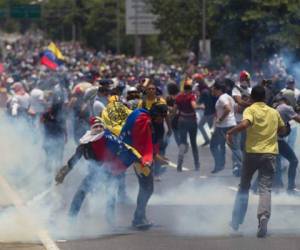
[173,165]
[19,204]
[233,188]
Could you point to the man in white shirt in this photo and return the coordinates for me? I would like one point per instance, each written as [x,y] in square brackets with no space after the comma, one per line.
[19,102]
[241,95]
[225,120]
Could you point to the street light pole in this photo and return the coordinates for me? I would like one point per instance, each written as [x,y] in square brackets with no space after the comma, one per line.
[118,25]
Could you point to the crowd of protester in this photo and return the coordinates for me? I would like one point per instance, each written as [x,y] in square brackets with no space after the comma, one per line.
[93,83]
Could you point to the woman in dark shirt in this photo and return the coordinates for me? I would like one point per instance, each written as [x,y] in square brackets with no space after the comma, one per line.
[187,124]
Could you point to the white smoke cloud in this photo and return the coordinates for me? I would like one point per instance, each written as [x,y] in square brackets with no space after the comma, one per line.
[204,207]
[23,166]
[195,207]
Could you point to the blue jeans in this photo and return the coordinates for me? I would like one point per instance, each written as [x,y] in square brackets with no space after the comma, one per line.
[217,148]
[209,119]
[145,192]
[88,184]
[292,137]
[288,153]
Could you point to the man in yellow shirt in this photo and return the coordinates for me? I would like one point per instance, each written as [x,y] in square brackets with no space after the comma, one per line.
[262,123]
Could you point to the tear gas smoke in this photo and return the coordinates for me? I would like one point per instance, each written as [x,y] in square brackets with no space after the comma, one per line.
[204,207]
[196,207]
[23,166]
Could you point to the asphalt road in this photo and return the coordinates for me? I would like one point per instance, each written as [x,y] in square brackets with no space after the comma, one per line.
[190,210]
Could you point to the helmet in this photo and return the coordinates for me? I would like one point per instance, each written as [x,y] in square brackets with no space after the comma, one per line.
[132,89]
[244,76]
[96,120]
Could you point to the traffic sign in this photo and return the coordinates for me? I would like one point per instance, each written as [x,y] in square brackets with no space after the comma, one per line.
[139,18]
[25,11]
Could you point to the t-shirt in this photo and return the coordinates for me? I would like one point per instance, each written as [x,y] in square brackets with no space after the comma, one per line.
[229,120]
[262,134]
[37,100]
[99,105]
[286,112]
[183,102]
[239,91]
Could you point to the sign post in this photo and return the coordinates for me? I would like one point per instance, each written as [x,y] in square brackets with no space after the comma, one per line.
[139,21]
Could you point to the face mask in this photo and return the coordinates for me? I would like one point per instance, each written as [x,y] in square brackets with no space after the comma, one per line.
[244,85]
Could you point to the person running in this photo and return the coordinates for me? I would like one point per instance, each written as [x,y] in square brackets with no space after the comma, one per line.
[187,124]
[225,120]
[262,123]
[209,101]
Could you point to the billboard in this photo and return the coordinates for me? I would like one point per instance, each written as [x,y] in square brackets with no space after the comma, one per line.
[139,19]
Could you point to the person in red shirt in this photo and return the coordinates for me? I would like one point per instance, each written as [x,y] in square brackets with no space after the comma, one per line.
[187,124]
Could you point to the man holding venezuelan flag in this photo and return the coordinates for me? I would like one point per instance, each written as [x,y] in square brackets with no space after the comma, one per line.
[139,132]
[108,158]
[52,58]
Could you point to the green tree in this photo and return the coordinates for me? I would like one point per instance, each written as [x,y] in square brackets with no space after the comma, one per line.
[179,22]
[242,28]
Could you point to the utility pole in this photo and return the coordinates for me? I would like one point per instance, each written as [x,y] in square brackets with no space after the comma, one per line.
[204,54]
[74,24]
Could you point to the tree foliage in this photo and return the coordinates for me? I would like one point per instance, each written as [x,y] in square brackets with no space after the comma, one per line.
[241,28]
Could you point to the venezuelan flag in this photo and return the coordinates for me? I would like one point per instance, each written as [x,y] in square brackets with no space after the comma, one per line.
[137,132]
[115,114]
[52,57]
[115,154]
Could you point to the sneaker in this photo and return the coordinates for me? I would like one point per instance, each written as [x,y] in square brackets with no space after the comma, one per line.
[216,170]
[235,226]
[236,172]
[157,178]
[205,143]
[262,227]
[142,224]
